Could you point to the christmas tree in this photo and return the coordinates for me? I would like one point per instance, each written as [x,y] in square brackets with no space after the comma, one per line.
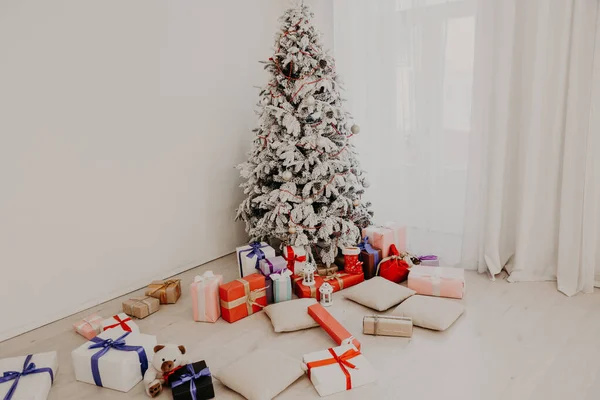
[303,181]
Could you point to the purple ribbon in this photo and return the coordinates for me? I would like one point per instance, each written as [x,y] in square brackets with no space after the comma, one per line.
[254,250]
[366,246]
[190,377]
[117,344]
[28,369]
[429,257]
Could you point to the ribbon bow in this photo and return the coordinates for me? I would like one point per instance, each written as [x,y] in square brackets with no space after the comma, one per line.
[292,258]
[29,368]
[190,376]
[338,277]
[204,277]
[341,360]
[120,322]
[118,344]
[281,274]
[254,250]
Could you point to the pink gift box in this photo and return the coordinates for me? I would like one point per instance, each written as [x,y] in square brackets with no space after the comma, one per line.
[89,327]
[205,297]
[382,237]
[437,281]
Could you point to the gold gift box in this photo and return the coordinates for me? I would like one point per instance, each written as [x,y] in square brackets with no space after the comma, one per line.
[141,307]
[168,292]
[383,325]
[322,270]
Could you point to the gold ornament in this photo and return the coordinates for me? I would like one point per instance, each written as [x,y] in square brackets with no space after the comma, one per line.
[356,203]
[355,129]
[287,175]
[292,230]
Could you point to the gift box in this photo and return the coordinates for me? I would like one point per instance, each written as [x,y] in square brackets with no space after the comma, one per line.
[167,291]
[141,307]
[338,369]
[28,377]
[90,326]
[282,286]
[339,281]
[437,281]
[249,256]
[370,258]
[270,266]
[393,267]
[331,325]
[384,325]
[205,297]
[242,297]
[120,322]
[192,382]
[114,359]
[322,270]
[382,237]
[295,257]
[429,261]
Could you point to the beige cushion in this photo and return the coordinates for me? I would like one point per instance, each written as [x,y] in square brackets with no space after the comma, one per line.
[430,312]
[289,316]
[378,293]
[261,375]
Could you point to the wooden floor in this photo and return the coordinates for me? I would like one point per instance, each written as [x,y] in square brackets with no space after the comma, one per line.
[515,341]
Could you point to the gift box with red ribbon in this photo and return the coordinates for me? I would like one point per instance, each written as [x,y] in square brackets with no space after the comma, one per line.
[242,297]
[338,369]
[393,268]
[339,281]
[120,321]
[295,257]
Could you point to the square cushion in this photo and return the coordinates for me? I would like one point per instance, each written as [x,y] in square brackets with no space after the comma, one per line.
[430,312]
[378,293]
[289,316]
[261,375]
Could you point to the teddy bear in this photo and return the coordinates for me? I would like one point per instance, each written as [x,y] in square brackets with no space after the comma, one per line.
[167,359]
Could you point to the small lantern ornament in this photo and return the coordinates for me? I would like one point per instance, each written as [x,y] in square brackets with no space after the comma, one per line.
[326,291]
[308,274]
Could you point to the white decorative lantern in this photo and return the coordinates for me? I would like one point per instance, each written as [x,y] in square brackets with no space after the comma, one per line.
[326,291]
[308,274]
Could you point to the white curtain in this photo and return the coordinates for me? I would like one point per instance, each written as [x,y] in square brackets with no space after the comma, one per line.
[509,183]
[534,181]
[407,68]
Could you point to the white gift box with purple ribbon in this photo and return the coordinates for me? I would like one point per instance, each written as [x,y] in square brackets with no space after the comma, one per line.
[114,359]
[268,267]
[28,377]
[249,256]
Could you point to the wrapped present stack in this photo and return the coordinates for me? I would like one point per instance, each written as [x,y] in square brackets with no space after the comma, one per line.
[268,267]
[249,257]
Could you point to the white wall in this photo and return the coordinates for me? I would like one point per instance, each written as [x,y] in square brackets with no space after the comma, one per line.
[120,124]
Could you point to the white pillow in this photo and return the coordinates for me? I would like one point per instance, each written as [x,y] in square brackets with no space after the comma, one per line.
[430,312]
[261,375]
[289,316]
[378,293]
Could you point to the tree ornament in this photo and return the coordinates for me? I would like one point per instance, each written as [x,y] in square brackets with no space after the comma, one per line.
[323,63]
[355,129]
[366,183]
[287,175]
[308,274]
[308,201]
[292,230]
[310,101]
[356,202]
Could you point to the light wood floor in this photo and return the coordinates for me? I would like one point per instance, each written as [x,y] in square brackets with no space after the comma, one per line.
[515,341]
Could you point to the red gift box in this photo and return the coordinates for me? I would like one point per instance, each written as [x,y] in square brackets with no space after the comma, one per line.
[331,325]
[338,281]
[242,297]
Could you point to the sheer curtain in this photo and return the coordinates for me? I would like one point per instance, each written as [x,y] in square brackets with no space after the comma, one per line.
[481,126]
[407,66]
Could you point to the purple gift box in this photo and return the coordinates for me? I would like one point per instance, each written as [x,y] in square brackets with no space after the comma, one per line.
[268,266]
[430,261]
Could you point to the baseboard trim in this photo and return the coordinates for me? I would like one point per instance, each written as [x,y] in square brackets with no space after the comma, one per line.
[137,285]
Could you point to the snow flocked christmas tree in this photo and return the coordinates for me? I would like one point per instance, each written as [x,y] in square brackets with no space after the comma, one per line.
[303,181]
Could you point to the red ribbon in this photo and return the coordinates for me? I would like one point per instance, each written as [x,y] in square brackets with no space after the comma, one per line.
[342,361]
[292,258]
[120,322]
[166,375]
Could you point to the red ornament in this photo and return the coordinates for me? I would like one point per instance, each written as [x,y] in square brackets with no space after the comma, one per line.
[393,268]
